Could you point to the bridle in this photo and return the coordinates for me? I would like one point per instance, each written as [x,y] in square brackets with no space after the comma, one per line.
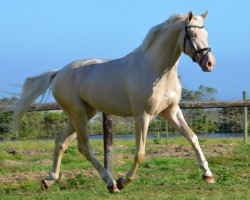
[191,45]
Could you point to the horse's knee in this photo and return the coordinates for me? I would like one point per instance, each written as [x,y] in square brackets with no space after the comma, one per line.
[195,138]
[84,151]
[80,149]
[59,146]
[195,141]
[139,157]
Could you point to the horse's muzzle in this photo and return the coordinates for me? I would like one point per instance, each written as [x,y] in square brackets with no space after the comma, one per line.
[208,63]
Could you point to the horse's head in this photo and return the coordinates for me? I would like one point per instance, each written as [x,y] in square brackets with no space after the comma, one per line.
[195,43]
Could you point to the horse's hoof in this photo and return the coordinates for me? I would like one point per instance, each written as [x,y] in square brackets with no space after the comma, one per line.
[119,183]
[113,188]
[208,179]
[44,185]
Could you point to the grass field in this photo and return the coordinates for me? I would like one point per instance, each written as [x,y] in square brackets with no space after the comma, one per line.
[169,171]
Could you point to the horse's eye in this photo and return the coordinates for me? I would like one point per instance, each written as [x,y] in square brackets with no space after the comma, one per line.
[194,35]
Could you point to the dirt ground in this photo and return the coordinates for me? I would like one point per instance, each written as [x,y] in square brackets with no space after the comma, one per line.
[153,150]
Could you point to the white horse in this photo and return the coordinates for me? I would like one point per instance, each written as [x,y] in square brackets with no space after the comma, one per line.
[142,84]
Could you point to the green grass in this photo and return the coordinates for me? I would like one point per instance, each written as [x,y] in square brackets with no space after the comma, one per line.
[159,177]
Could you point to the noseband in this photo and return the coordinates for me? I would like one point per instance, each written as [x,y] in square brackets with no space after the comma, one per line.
[191,45]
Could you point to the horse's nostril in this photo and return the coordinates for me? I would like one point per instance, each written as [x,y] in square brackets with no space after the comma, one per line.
[209,63]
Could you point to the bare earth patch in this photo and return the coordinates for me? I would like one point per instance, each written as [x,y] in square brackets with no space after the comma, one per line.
[180,151]
[39,176]
[151,151]
[18,163]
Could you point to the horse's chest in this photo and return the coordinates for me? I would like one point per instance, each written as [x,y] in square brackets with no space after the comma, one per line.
[160,101]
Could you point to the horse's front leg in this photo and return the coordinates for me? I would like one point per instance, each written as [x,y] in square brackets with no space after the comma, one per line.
[175,117]
[61,143]
[141,128]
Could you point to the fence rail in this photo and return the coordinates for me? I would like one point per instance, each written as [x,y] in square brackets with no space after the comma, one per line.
[183,105]
[224,112]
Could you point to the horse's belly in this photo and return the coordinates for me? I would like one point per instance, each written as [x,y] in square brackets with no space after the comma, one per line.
[110,99]
[111,106]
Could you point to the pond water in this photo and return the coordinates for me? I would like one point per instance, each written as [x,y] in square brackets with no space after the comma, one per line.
[174,135]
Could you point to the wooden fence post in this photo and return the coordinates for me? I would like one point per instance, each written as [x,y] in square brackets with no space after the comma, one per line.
[108,141]
[245,119]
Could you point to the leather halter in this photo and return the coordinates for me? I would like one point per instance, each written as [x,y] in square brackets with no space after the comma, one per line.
[191,45]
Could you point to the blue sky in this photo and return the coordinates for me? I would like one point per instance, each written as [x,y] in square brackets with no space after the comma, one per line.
[37,36]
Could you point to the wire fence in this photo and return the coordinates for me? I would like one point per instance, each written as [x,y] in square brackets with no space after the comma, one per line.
[49,122]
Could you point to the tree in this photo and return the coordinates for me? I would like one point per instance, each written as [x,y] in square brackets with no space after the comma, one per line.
[54,123]
[5,118]
[204,93]
[231,120]
[34,125]
[201,120]
[7,101]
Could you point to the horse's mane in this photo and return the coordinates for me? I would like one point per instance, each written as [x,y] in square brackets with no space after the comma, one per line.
[154,31]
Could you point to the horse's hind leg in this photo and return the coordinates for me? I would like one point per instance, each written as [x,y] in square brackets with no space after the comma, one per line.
[61,143]
[175,117]
[79,119]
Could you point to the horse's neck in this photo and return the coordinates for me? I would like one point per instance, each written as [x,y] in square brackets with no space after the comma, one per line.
[162,57]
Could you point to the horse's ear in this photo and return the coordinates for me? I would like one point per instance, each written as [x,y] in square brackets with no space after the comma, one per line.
[189,17]
[204,15]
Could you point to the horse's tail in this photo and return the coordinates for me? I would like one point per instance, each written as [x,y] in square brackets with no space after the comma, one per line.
[33,88]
